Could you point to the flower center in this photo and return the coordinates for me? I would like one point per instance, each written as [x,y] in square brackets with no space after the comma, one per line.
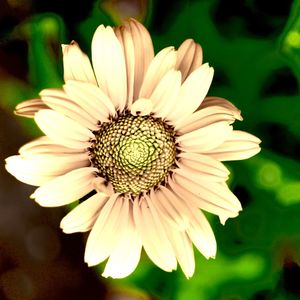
[134,153]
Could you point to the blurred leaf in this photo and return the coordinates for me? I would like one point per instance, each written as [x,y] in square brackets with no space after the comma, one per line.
[45,31]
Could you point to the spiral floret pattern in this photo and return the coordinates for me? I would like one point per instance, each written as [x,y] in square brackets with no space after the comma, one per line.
[134,153]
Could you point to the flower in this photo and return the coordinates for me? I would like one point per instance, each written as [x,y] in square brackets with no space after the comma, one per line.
[137,137]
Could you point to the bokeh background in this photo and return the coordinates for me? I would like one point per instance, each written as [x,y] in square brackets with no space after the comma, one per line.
[254,46]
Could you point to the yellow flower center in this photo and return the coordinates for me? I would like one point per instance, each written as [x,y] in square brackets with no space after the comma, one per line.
[134,153]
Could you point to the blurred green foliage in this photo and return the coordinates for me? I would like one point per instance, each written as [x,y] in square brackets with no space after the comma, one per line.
[253,248]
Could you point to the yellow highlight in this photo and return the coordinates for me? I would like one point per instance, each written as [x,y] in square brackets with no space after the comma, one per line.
[50,24]
[289,193]
[269,175]
[293,39]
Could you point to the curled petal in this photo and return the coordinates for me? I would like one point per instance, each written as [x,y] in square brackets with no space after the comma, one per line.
[77,65]
[189,58]
[29,108]
[138,51]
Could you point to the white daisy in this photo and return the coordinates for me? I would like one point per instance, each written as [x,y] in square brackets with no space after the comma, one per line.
[137,134]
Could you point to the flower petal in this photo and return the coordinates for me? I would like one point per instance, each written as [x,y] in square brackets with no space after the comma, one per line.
[73,134]
[238,145]
[210,189]
[183,248]
[125,38]
[163,62]
[165,92]
[126,254]
[210,192]
[28,108]
[201,166]
[65,189]
[15,166]
[199,230]
[52,164]
[138,52]
[189,58]
[153,235]
[192,92]
[217,101]
[83,216]
[171,208]
[43,145]
[202,235]
[141,107]
[60,102]
[215,205]
[92,99]
[106,231]
[77,65]
[109,65]
[204,117]
[206,138]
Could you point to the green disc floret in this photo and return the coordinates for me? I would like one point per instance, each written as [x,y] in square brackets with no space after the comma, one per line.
[134,153]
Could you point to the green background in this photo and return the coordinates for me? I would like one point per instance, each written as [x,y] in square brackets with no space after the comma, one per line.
[254,47]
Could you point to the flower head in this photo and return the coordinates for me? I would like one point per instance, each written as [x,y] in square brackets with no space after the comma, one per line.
[137,134]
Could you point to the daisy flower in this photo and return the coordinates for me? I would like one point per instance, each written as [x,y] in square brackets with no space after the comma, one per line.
[136,136]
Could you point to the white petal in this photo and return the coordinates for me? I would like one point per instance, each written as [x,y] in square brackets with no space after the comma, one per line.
[106,231]
[138,51]
[65,189]
[163,62]
[208,191]
[125,38]
[43,145]
[54,164]
[206,138]
[189,57]
[28,108]
[141,107]
[154,238]
[15,166]
[63,130]
[202,235]
[238,145]
[203,168]
[83,216]
[109,65]
[193,91]
[77,65]
[143,53]
[101,185]
[165,93]
[92,99]
[213,205]
[198,175]
[126,254]
[204,117]
[184,250]
[217,101]
[171,208]
[203,164]
[60,102]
